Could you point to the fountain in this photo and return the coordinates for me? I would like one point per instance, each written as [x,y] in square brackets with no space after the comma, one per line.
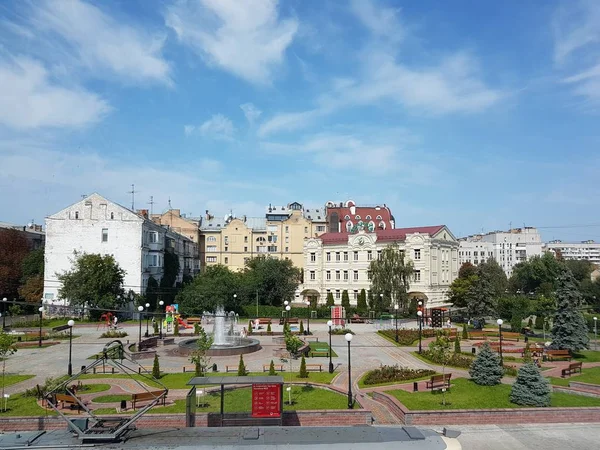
[227,340]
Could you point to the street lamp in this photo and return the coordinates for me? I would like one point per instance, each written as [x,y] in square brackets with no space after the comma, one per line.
[595,333]
[420,319]
[396,320]
[147,317]
[4,300]
[70,367]
[140,309]
[348,337]
[41,310]
[329,324]
[161,303]
[500,322]
[308,317]
[287,308]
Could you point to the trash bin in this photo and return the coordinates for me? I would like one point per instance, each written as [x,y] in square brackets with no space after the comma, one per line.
[415,386]
[473,350]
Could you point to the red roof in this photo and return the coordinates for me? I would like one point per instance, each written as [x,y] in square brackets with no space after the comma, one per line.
[395,234]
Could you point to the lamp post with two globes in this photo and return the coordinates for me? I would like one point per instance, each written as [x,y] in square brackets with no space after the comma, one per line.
[420,319]
[41,310]
[396,320]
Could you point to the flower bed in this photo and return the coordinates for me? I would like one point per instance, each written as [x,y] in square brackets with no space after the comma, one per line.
[388,374]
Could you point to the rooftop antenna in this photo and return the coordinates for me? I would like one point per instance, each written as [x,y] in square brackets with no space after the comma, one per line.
[151,203]
[133,192]
[170,207]
[509,226]
[83,195]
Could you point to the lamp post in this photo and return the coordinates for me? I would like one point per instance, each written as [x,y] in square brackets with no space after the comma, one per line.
[161,303]
[329,324]
[70,367]
[396,320]
[420,319]
[41,310]
[287,309]
[348,337]
[4,300]
[595,333]
[140,309]
[308,317]
[500,322]
[147,317]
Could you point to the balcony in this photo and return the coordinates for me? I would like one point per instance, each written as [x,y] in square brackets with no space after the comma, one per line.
[155,246]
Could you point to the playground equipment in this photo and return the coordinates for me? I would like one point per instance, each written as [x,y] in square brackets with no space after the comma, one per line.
[89,427]
[105,320]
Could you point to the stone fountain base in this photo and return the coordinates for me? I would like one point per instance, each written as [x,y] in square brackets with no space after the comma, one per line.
[245,345]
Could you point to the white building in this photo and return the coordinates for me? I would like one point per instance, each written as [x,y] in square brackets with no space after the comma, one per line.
[335,262]
[97,225]
[508,248]
[585,250]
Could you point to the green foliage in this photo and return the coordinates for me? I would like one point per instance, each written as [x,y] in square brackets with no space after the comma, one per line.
[482,300]
[569,329]
[199,357]
[530,388]
[408,337]
[176,328]
[33,263]
[275,280]
[361,302]
[7,348]
[345,300]
[114,334]
[330,301]
[454,359]
[465,332]
[514,309]
[371,300]
[527,353]
[152,292]
[301,328]
[155,326]
[457,345]
[303,371]
[486,369]
[167,282]
[272,369]
[213,286]
[156,368]
[391,275]
[338,331]
[292,343]
[196,329]
[269,328]
[32,280]
[242,372]
[466,270]
[491,270]
[49,385]
[95,281]
[539,322]
[461,289]
[14,248]
[389,374]
[536,275]
[530,323]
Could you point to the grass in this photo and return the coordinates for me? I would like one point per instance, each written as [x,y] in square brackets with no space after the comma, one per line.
[587,356]
[362,385]
[93,388]
[9,380]
[465,394]
[111,398]
[19,405]
[315,346]
[591,375]
[240,400]
[141,378]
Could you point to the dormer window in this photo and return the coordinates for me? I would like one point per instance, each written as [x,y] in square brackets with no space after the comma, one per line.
[379,218]
[348,226]
[347,217]
[357,217]
[368,218]
[382,225]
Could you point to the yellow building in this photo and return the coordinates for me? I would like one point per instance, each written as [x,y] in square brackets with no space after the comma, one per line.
[185,226]
[231,241]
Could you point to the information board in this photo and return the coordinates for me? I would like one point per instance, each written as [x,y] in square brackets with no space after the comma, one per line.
[266,400]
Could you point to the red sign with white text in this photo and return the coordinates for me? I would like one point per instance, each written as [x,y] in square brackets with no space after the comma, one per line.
[266,400]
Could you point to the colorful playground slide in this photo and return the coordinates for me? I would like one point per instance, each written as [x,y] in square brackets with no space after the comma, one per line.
[183,324]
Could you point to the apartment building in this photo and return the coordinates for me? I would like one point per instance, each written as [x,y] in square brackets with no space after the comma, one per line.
[584,250]
[179,223]
[508,248]
[97,225]
[32,232]
[339,261]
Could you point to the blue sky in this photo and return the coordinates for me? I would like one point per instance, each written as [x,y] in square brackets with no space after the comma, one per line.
[473,114]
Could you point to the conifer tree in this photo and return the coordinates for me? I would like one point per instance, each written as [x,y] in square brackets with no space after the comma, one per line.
[242,367]
[486,369]
[156,368]
[457,344]
[301,328]
[272,369]
[269,328]
[303,371]
[196,329]
[569,330]
[361,303]
[345,300]
[530,388]
[250,327]
[330,301]
[465,332]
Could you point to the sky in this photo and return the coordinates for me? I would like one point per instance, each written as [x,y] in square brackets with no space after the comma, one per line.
[477,115]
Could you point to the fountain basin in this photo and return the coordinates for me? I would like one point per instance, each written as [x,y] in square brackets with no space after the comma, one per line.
[240,346]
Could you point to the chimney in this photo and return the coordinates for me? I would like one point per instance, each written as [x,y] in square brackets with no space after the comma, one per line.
[143,213]
[207,215]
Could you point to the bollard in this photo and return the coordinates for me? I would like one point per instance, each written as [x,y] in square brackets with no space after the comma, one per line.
[473,350]
[123,405]
[83,369]
[415,386]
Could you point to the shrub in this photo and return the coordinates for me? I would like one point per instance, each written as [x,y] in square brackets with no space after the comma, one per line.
[303,371]
[465,332]
[330,301]
[196,329]
[301,328]
[454,360]
[457,345]
[156,368]
[269,328]
[176,329]
[486,369]
[338,331]
[530,388]
[113,334]
[539,322]
[49,385]
[242,367]
[250,327]
[155,327]
[387,374]
[272,369]
[530,323]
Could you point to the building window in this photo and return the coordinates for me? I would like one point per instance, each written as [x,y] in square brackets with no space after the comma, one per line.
[287,239]
[246,249]
[77,214]
[357,217]
[226,260]
[272,248]
[305,230]
[345,275]
[287,229]
[312,275]
[287,249]
[379,217]
[337,293]
[328,275]
[382,225]
[104,234]
[226,248]
[337,256]
[320,228]
[154,261]
[378,254]
[369,255]
[348,226]
[345,256]
[417,254]
[226,240]
[153,237]
[112,216]
[246,239]
[346,217]
[337,275]
[356,275]
[313,257]
[355,294]
[355,256]
[272,239]
[246,260]
[212,239]
[328,256]
[212,248]
[417,275]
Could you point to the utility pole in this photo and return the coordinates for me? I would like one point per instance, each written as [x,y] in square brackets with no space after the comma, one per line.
[151,203]
[132,192]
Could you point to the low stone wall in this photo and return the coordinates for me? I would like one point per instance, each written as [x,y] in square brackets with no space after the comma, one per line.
[487,416]
[595,388]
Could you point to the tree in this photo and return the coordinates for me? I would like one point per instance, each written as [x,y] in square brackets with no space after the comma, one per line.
[467,270]
[330,301]
[514,309]
[569,330]
[390,275]
[536,275]
[167,282]
[212,287]
[345,300]
[457,345]
[303,372]
[175,328]
[32,289]
[199,356]
[301,328]
[491,270]
[440,350]
[33,264]
[152,291]
[275,280]
[14,248]
[361,303]
[156,368]
[530,388]
[95,281]
[371,301]
[242,367]
[292,343]
[272,369]
[7,348]
[460,291]
[481,297]
[269,328]
[465,332]
[486,369]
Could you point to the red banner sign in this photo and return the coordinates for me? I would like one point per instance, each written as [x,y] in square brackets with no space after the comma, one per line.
[266,400]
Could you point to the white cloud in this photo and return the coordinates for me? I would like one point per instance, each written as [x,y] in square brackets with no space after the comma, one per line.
[30,99]
[251,112]
[247,39]
[217,127]
[288,122]
[94,40]
[381,21]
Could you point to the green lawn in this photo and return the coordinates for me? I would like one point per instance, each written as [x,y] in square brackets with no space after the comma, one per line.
[587,356]
[9,380]
[322,346]
[93,388]
[591,375]
[111,398]
[465,394]
[19,405]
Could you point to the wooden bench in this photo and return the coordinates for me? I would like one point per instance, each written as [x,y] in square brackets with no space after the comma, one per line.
[110,370]
[264,321]
[189,369]
[552,354]
[231,368]
[145,369]
[533,351]
[439,382]
[356,319]
[193,320]
[147,396]
[508,336]
[65,399]
[311,338]
[573,368]
[318,353]
[314,367]
[278,367]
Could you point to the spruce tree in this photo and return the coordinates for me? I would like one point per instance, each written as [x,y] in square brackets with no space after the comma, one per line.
[301,328]
[345,300]
[569,330]
[156,368]
[330,301]
[539,322]
[530,388]
[272,369]
[486,369]
[456,345]
[242,367]
[465,332]
[303,371]
[361,304]
[269,328]
[250,327]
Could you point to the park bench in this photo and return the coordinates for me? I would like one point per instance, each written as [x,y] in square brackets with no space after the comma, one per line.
[319,352]
[109,369]
[278,367]
[65,399]
[231,368]
[193,320]
[312,338]
[439,382]
[552,354]
[533,351]
[508,336]
[291,321]
[145,369]
[356,319]
[314,367]
[147,396]
[189,369]
[573,368]
[264,321]
[473,335]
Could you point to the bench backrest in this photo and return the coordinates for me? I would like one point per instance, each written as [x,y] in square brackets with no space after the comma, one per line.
[443,377]
[65,398]
[558,352]
[575,364]
[147,395]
